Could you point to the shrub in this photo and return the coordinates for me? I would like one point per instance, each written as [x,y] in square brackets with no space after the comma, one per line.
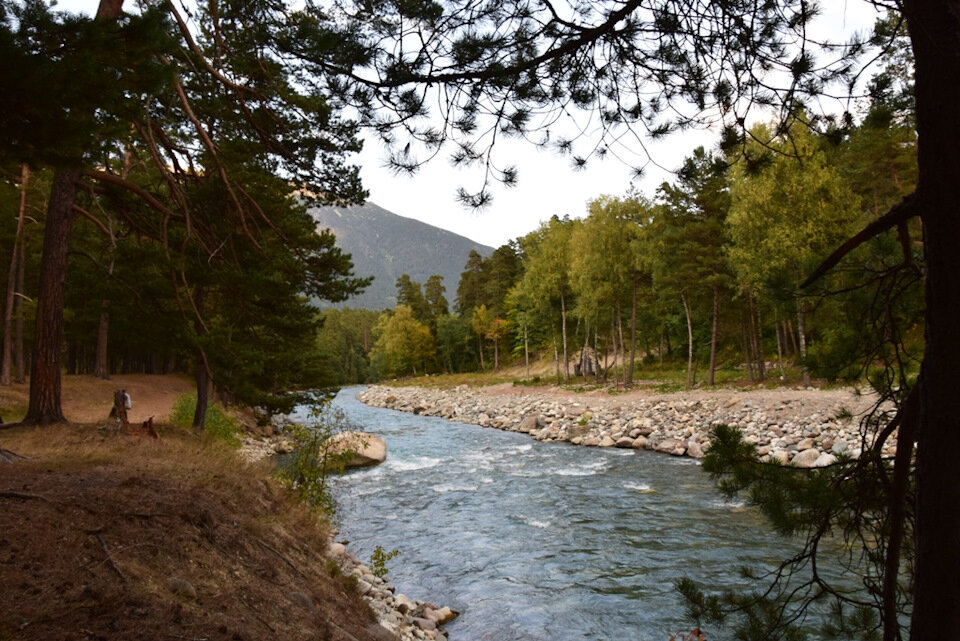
[217,425]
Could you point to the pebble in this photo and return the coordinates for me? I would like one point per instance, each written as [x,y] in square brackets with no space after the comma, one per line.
[809,429]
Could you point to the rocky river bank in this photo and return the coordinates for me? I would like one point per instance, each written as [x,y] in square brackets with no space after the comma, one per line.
[401,618]
[804,428]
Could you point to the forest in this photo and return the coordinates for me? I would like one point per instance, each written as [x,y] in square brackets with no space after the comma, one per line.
[157,165]
[708,273]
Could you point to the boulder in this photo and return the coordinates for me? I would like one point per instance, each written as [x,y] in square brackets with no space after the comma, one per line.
[424,624]
[606,441]
[446,615]
[806,458]
[669,445]
[825,459]
[639,442]
[694,450]
[625,441]
[358,449]
[839,447]
[529,423]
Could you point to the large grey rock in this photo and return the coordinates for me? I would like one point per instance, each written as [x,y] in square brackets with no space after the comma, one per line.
[358,449]
[806,458]
[694,450]
[825,459]
[529,424]
[669,445]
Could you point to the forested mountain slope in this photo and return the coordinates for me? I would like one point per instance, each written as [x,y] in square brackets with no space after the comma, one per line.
[386,245]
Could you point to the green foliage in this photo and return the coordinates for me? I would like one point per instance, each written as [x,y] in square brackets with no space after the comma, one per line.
[404,344]
[379,559]
[315,458]
[829,509]
[217,425]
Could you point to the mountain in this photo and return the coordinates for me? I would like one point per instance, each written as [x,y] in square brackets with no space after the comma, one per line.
[385,245]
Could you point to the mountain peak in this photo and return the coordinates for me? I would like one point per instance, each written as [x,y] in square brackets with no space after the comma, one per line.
[386,245]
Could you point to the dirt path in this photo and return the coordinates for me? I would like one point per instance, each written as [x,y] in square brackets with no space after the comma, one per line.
[88,400]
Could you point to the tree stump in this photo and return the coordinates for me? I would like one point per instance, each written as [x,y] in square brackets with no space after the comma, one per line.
[119,410]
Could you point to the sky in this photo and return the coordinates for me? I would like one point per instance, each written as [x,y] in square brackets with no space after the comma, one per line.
[547,185]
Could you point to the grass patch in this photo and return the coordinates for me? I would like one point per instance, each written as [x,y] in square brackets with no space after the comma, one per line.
[217,425]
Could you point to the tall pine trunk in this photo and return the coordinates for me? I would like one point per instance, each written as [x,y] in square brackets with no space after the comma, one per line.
[201,371]
[935,34]
[563,322]
[633,334]
[19,362]
[7,358]
[686,310]
[45,379]
[714,334]
[801,335]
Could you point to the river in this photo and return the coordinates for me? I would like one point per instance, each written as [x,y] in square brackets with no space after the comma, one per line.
[548,541]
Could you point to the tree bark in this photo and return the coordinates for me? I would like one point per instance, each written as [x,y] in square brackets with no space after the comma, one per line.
[202,378]
[747,357]
[526,350]
[755,340]
[633,335]
[801,336]
[45,407]
[7,358]
[935,34]
[783,374]
[563,323]
[19,362]
[201,371]
[714,334]
[686,310]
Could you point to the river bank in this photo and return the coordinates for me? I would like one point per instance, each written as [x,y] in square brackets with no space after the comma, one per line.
[804,428]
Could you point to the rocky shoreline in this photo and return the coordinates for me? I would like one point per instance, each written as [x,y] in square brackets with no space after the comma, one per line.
[401,618]
[803,428]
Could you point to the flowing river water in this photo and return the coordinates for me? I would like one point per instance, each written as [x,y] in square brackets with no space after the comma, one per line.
[543,541]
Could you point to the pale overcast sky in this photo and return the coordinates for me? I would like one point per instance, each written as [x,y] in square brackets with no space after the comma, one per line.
[547,184]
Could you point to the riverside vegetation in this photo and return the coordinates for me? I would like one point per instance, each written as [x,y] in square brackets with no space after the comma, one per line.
[116,536]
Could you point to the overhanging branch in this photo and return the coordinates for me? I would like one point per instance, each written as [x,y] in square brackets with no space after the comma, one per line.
[898,214]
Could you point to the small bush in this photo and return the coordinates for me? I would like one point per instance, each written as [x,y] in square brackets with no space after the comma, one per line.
[313,461]
[217,425]
[378,561]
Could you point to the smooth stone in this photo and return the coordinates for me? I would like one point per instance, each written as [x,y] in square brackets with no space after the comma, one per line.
[824,460]
[424,624]
[806,458]
[446,615]
[359,448]
[606,441]
[529,423]
[625,441]
[694,449]
[591,441]
[639,442]
[182,587]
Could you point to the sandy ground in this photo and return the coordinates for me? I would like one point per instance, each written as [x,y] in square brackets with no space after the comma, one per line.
[88,400]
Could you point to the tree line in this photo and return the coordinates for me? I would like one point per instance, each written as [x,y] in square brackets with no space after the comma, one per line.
[709,269]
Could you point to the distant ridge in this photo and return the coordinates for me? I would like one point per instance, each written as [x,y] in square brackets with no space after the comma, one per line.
[385,245]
